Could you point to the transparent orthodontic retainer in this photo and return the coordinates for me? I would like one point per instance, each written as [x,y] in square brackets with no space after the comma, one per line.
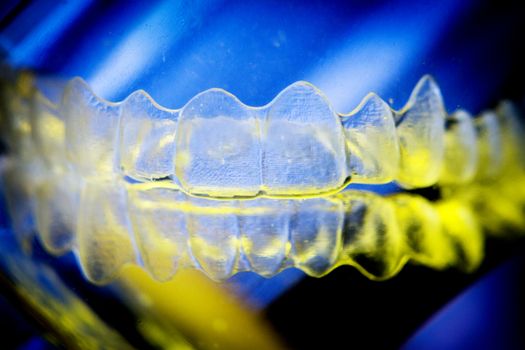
[224,187]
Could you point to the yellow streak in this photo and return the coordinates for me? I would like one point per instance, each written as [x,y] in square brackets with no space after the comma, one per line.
[205,312]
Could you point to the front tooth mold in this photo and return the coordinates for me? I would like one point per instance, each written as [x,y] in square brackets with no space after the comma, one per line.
[294,146]
[372,141]
[218,148]
[303,144]
[146,138]
[91,130]
[460,161]
[420,128]
[489,146]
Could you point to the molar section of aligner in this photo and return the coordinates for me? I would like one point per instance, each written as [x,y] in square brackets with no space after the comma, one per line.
[214,235]
[158,218]
[146,138]
[513,136]
[265,232]
[104,238]
[218,151]
[461,149]
[420,224]
[498,203]
[372,141]
[490,144]
[316,234]
[303,144]
[420,127]
[91,130]
[459,223]
[371,240]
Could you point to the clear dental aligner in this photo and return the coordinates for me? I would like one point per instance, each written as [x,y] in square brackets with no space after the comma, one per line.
[295,146]
[135,183]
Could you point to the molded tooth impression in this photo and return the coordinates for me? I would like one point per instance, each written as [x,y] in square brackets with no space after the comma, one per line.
[513,142]
[265,230]
[372,141]
[316,235]
[371,238]
[146,139]
[303,144]
[459,224]
[91,129]
[49,132]
[56,212]
[218,147]
[214,236]
[160,229]
[296,146]
[420,224]
[103,230]
[420,127]
[56,190]
[489,145]
[461,152]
